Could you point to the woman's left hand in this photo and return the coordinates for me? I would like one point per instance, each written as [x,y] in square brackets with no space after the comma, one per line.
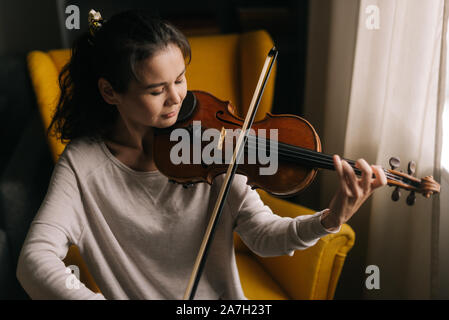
[352,192]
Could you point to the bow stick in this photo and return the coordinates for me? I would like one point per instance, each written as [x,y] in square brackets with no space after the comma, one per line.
[242,139]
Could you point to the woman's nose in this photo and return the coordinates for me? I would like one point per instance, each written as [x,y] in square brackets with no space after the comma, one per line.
[173,97]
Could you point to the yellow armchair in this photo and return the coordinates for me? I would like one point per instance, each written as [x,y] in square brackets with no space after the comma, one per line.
[227,66]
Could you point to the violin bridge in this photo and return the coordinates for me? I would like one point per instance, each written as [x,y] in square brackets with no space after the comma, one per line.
[222,137]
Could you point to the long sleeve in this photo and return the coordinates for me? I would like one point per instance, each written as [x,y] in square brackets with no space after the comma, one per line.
[137,232]
[57,224]
[266,233]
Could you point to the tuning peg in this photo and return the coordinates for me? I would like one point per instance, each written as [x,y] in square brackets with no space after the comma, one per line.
[411,168]
[411,198]
[396,194]
[395,162]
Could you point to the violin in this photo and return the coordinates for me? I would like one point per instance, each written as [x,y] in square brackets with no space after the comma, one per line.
[298,151]
[295,149]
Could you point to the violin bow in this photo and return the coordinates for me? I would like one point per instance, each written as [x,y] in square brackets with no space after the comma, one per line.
[238,151]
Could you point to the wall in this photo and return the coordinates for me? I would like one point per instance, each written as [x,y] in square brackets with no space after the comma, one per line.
[28,25]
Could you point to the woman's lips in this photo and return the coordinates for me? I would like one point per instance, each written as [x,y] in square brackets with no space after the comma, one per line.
[169,115]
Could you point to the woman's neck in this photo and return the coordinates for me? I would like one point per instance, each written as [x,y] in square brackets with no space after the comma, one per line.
[131,145]
[132,136]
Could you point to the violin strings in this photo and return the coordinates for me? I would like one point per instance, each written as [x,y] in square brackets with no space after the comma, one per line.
[325,163]
[319,159]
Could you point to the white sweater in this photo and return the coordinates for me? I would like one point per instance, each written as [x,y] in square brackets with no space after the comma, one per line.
[139,234]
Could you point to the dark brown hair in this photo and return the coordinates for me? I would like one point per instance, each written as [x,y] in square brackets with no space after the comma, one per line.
[112,52]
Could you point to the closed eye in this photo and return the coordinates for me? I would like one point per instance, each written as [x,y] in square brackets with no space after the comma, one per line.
[156,93]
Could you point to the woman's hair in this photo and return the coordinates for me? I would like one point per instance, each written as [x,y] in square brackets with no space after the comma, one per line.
[113,53]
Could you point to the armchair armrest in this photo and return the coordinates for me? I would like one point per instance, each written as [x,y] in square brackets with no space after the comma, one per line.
[312,273]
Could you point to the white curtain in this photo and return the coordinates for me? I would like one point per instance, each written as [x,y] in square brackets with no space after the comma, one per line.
[393,109]
[440,259]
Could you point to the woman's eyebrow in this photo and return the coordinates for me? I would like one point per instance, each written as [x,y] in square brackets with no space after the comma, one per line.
[154,85]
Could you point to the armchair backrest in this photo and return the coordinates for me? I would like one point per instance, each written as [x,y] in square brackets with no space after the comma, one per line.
[227,66]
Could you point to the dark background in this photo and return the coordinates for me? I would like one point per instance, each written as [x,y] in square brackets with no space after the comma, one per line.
[27,25]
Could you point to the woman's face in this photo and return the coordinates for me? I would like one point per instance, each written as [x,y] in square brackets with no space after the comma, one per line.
[155,101]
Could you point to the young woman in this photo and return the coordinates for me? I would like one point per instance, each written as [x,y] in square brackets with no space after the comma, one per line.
[139,234]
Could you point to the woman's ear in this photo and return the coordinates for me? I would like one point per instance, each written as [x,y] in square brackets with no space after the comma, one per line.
[107,92]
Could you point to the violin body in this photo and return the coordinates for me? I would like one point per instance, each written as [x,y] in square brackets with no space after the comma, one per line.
[290,177]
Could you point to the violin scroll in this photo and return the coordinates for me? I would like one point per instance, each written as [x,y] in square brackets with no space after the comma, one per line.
[427,186]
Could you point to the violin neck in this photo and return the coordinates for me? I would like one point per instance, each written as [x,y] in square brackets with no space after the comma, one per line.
[319,160]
